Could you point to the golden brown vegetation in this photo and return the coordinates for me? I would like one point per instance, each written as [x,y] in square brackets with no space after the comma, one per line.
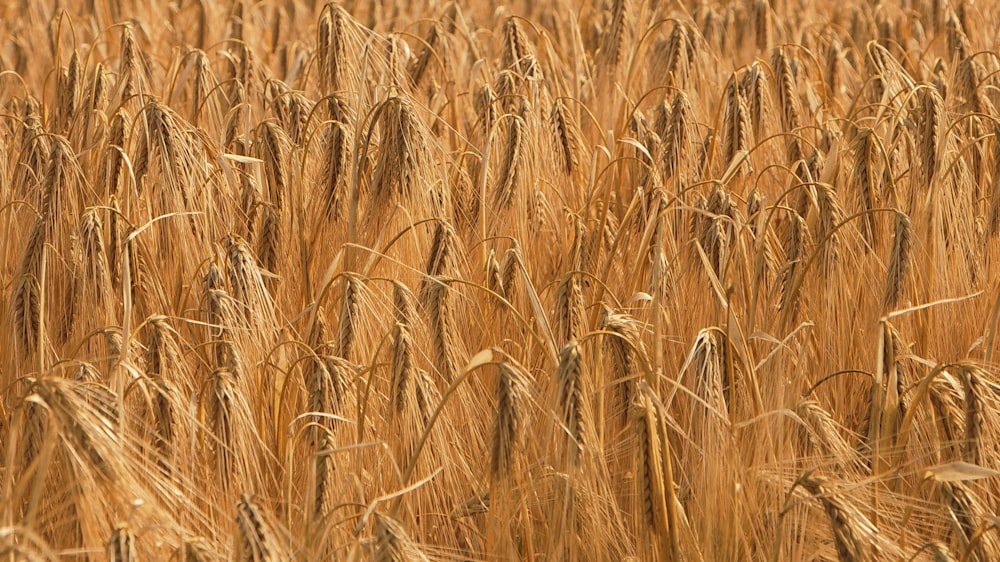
[574,280]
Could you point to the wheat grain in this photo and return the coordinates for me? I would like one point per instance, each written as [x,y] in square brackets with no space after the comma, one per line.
[899,262]
[337,158]
[958,43]
[619,349]
[257,541]
[443,328]
[511,166]
[566,136]
[569,313]
[508,425]
[121,546]
[572,402]
[852,532]
[649,479]
[515,46]
[392,544]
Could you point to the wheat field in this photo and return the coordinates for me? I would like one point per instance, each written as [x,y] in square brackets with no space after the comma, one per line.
[589,280]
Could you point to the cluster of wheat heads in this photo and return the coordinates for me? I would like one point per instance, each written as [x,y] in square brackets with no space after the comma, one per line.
[580,280]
